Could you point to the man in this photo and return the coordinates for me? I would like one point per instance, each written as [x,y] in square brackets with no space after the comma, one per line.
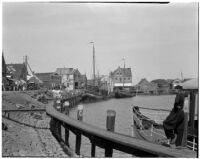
[174,123]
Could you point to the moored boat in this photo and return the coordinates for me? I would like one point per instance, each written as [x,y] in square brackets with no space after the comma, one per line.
[150,130]
[124,94]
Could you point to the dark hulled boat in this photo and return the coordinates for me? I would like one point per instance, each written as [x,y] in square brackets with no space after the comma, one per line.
[124,94]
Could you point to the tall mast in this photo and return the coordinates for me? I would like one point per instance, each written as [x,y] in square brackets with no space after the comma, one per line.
[94,63]
[26,61]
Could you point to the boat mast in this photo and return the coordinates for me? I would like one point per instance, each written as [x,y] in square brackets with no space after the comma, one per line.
[26,62]
[94,64]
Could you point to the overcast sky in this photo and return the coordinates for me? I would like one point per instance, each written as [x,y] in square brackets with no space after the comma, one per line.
[157,41]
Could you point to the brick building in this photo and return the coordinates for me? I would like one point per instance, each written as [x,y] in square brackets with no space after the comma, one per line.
[50,80]
[121,77]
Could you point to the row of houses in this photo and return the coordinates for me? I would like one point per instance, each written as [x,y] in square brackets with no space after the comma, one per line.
[68,78]
[71,79]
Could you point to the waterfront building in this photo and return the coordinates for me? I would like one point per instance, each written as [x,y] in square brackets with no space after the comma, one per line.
[71,78]
[146,87]
[50,80]
[83,82]
[163,86]
[106,83]
[121,77]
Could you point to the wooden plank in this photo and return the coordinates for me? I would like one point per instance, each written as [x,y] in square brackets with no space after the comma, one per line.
[22,110]
[185,132]
[120,141]
[192,109]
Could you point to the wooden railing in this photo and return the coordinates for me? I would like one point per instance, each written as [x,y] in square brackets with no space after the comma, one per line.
[103,138]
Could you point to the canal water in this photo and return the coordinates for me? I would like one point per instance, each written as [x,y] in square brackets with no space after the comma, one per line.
[96,113]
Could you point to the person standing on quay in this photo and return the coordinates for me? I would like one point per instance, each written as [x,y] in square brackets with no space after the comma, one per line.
[174,123]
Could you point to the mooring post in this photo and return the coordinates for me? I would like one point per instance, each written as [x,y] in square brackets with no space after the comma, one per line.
[110,126]
[184,140]
[78,135]
[66,107]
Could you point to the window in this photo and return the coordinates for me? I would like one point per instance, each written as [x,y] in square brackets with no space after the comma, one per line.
[116,78]
[124,78]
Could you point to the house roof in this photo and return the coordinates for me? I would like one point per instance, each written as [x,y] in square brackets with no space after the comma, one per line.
[45,73]
[35,79]
[15,69]
[160,82]
[190,84]
[65,71]
[143,80]
[3,66]
[124,71]
[83,77]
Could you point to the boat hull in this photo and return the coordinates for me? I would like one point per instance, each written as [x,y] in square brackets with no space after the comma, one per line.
[119,94]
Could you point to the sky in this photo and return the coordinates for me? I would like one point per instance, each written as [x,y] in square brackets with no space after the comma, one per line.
[156,40]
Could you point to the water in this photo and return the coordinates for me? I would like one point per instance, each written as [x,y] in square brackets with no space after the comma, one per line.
[96,113]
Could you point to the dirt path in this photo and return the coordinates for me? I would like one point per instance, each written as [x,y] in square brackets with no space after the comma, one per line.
[25,140]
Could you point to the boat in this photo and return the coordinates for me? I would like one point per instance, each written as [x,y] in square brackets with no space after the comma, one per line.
[151,130]
[146,128]
[124,94]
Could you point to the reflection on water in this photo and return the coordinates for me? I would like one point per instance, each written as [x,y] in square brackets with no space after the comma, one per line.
[95,114]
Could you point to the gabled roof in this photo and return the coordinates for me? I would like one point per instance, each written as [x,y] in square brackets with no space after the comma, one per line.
[65,71]
[3,66]
[124,71]
[16,70]
[83,77]
[142,81]
[160,82]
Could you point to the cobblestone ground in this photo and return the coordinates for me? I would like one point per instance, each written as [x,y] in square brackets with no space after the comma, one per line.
[28,135]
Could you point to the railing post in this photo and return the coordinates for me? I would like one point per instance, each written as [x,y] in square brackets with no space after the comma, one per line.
[184,139]
[59,129]
[66,135]
[93,149]
[110,125]
[78,135]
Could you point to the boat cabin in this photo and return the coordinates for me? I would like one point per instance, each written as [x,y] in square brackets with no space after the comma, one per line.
[191,87]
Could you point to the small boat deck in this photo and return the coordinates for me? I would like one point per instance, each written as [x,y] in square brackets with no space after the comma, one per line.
[146,134]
